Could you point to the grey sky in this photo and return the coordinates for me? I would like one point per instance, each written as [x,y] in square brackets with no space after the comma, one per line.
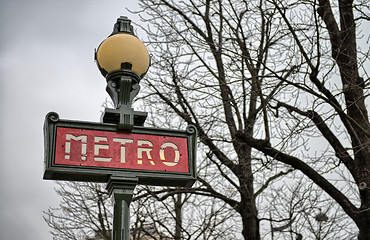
[46,64]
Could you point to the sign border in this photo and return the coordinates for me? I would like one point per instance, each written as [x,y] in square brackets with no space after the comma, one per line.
[54,171]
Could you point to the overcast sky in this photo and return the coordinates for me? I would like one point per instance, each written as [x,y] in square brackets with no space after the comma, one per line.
[46,64]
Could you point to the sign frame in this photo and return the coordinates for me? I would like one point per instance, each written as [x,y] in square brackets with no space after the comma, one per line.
[54,171]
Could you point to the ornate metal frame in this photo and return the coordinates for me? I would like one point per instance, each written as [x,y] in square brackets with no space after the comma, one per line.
[98,174]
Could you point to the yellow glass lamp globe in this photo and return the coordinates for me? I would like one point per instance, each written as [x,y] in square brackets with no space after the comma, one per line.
[122,51]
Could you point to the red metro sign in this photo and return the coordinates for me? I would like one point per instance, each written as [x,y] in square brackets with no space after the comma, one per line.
[82,147]
[85,151]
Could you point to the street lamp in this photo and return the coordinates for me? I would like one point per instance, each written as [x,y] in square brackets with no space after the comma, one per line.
[123,60]
[129,155]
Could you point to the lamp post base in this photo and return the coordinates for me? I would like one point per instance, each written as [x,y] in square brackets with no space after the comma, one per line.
[121,190]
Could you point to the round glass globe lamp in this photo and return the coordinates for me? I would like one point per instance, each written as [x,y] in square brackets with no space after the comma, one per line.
[122,52]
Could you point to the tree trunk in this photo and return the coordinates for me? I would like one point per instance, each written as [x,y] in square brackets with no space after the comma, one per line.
[247,207]
[364,231]
[353,89]
[248,213]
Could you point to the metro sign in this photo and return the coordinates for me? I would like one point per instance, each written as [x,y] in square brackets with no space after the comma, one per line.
[82,147]
[85,151]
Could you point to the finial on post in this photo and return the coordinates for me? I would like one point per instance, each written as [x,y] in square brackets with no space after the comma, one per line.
[123,25]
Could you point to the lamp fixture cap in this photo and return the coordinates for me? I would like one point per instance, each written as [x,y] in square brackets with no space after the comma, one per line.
[123,25]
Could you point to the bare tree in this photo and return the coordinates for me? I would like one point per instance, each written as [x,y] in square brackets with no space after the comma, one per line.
[85,211]
[301,209]
[280,77]
[336,111]
[207,73]
[273,87]
[208,69]
[166,215]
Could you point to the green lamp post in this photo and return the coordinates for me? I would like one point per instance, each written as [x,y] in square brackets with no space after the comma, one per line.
[120,151]
[123,60]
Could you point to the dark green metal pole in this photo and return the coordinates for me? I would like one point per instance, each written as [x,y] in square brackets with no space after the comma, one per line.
[121,190]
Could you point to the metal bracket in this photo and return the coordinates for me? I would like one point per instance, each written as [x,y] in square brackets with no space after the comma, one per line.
[122,87]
